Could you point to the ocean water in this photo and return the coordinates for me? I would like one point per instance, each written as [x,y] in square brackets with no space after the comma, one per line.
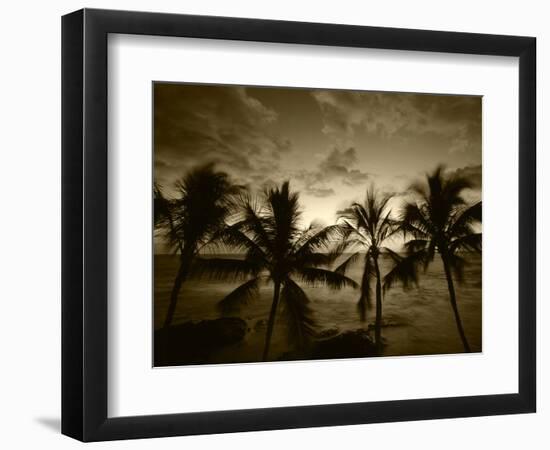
[416,322]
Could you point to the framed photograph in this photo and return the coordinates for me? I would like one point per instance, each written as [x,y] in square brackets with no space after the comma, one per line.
[273,224]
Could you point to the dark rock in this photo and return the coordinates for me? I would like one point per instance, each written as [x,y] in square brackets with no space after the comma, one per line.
[193,342]
[260,325]
[385,324]
[328,332]
[349,344]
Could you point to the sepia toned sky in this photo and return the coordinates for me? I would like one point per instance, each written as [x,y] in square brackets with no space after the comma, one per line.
[330,144]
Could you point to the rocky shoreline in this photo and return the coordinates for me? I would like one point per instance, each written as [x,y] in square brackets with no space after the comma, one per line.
[195,342]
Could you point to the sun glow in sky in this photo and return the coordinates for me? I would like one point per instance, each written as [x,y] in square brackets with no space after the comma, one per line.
[330,144]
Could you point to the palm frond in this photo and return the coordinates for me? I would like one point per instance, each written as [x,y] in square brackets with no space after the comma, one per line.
[163,212]
[463,218]
[440,197]
[161,206]
[458,265]
[232,237]
[316,239]
[257,227]
[300,318]
[452,189]
[223,269]
[414,222]
[313,260]
[415,245]
[368,224]
[357,215]
[475,211]
[204,200]
[405,269]
[469,242]
[283,214]
[343,267]
[379,203]
[387,227]
[305,234]
[348,240]
[334,280]
[241,296]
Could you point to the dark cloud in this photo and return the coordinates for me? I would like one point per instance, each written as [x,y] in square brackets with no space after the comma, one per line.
[336,166]
[355,177]
[338,163]
[456,119]
[319,192]
[222,124]
[391,192]
[472,173]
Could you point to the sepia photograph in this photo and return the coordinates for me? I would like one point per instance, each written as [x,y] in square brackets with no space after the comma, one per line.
[295,224]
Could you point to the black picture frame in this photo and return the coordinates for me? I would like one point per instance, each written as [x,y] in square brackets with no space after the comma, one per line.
[84,224]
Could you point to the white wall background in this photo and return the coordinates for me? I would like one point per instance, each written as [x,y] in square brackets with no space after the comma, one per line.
[30,222]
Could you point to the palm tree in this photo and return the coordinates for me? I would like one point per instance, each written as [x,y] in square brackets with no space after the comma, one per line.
[277,251]
[160,206]
[204,199]
[366,228]
[439,220]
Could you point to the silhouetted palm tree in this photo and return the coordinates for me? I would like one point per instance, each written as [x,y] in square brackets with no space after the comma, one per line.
[439,221]
[205,198]
[365,229]
[159,205]
[275,250]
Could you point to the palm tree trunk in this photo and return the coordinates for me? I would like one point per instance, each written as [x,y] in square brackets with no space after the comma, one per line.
[452,298]
[364,300]
[180,278]
[365,284]
[271,321]
[378,322]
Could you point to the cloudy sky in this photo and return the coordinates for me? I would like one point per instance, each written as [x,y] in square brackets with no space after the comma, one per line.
[330,144]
